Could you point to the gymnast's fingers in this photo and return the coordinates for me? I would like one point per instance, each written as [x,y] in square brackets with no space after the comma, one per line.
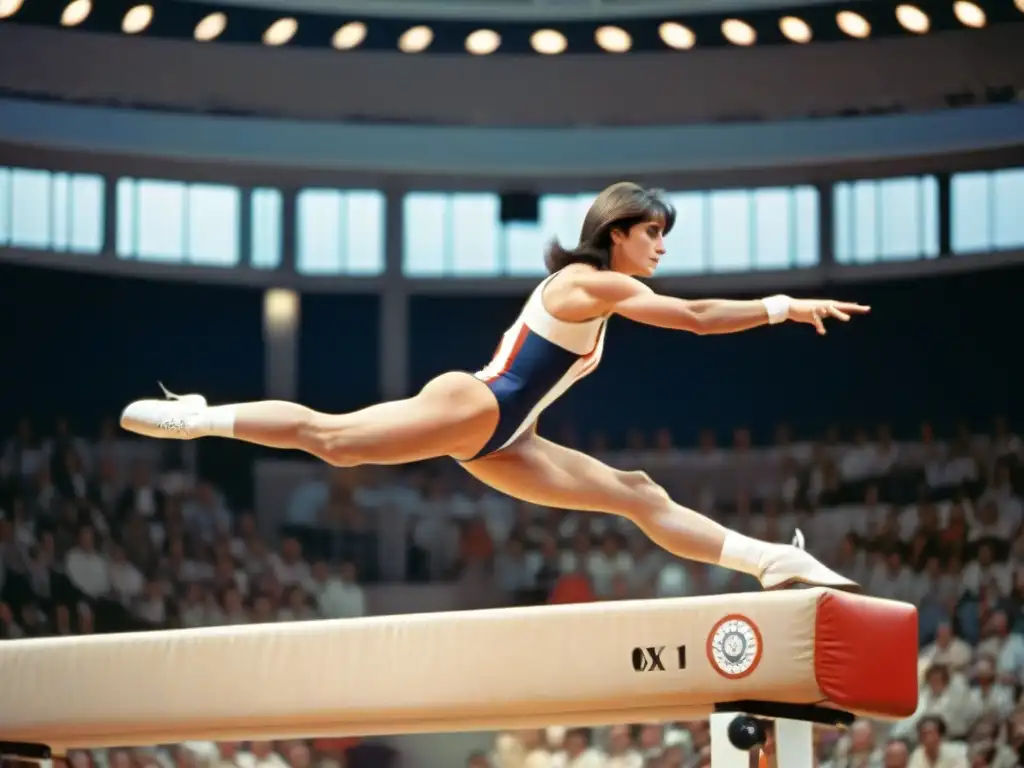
[816,316]
[837,313]
[851,307]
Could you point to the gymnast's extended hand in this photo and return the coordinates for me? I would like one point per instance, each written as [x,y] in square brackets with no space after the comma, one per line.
[815,311]
[590,292]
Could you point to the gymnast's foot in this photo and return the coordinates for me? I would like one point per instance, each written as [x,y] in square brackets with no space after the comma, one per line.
[171,419]
[786,565]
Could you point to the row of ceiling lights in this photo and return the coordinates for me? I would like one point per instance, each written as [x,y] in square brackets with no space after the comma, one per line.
[544,41]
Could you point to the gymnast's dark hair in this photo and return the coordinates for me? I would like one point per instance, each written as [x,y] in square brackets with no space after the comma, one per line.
[620,206]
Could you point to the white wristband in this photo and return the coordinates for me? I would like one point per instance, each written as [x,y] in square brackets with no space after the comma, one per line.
[777,308]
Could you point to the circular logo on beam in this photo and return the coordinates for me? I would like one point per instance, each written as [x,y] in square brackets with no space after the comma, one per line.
[734,646]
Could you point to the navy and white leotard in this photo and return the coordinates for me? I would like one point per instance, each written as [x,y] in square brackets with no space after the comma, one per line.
[538,359]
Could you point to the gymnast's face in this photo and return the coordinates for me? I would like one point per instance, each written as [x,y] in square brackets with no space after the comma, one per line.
[638,250]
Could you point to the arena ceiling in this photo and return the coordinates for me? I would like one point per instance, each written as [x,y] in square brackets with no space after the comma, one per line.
[517,10]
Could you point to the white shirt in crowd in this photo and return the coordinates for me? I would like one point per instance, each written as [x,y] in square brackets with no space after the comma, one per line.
[290,574]
[125,580]
[975,575]
[88,571]
[339,600]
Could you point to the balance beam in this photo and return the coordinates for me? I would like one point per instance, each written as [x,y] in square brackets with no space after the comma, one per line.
[827,653]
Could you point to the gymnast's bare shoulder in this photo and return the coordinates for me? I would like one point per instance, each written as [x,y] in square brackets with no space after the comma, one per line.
[581,292]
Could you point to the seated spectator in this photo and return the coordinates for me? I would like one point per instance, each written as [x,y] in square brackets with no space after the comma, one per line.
[1006,648]
[934,750]
[206,514]
[522,749]
[297,606]
[989,697]
[942,695]
[151,605]
[86,567]
[9,628]
[476,548]
[62,620]
[261,754]
[126,582]
[572,587]
[621,752]
[986,747]
[896,755]
[892,578]
[192,607]
[338,597]
[578,751]
[858,749]
[511,568]
[948,650]
[231,609]
[607,562]
[289,567]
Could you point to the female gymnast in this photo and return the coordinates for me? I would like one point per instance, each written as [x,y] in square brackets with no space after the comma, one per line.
[487,421]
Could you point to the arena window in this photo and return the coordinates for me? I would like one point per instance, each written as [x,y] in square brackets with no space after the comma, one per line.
[453,235]
[985,210]
[340,232]
[266,206]
[687,243]
[178,223]
[886,219]
[730,245]
[461,235]
[51,211]
[743,229]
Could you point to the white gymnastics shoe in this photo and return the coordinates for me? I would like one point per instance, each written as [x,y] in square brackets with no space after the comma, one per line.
[786,565]
[169,418]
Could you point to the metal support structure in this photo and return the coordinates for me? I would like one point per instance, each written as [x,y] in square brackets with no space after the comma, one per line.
[393,349]
[289,227]
[826,224]
[723,753]
[245,227]
[945,214]
[740,728]
[110,215]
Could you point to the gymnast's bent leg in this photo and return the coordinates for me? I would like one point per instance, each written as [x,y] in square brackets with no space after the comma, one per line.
[541,472]
[453,415]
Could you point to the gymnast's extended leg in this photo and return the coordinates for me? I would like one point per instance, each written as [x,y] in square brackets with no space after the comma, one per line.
[453,415]
[541,472]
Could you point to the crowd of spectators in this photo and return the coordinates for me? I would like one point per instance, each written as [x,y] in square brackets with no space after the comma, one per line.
[108,534]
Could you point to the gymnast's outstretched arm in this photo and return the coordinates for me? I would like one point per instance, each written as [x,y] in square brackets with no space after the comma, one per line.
[627,296]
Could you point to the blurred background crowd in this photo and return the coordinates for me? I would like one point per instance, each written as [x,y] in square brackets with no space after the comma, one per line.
[101,533]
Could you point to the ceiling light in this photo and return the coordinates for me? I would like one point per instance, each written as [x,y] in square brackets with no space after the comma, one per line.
[416,39]
[483,42]
[137,19]
[970,15]
[9,7]
[548,42]
[795,29]
[738,32]
[349,36]
[613,39]
[75,13]
[675,35]
[280,32]
[853,24]
[913,19]
[211,27]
